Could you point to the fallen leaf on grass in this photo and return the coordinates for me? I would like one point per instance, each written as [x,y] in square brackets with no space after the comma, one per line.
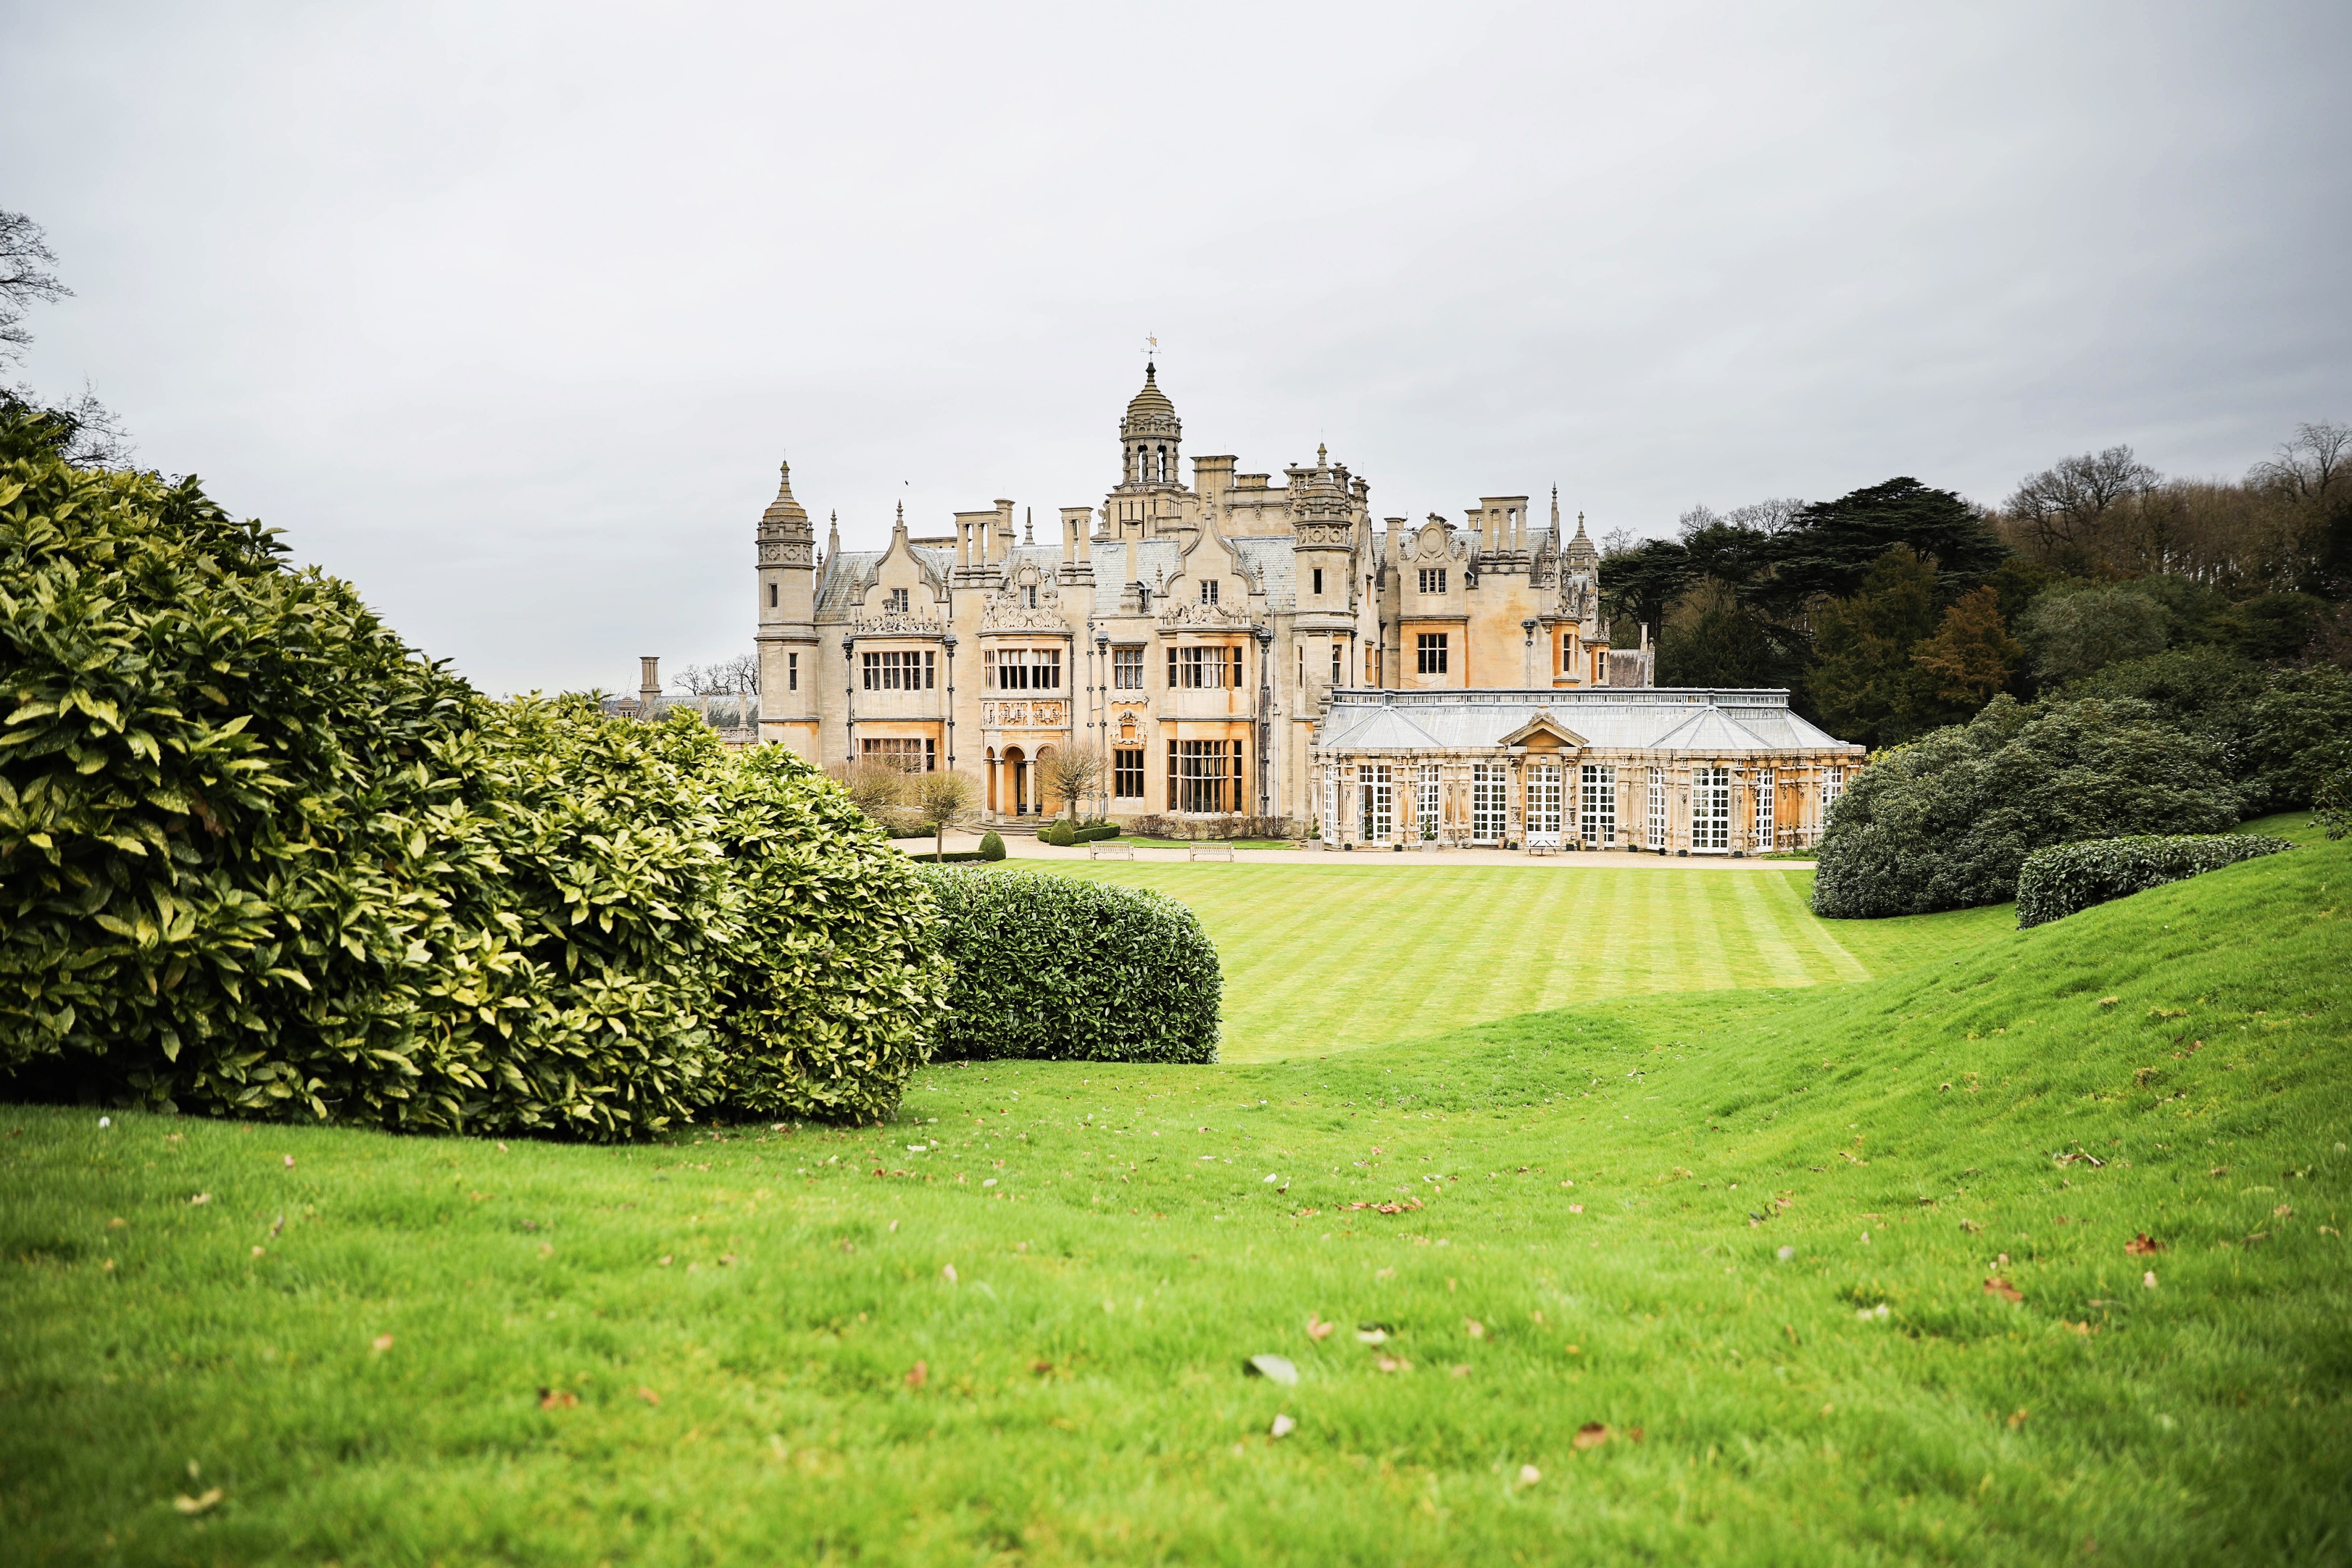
[2140,1246]
[1529,1475]
[381,1344]
[556,1399]
[1283,1426]
[1474,1328]
[1970,1225]
[2149,1279]
[2016,1420]
[256,1251]
[1393,1363]
[201,1503]
[1373,1333]
[1276,1368]
[117,1223]
[1576,1209]
[1042,1368]
[664,1260]
[648,1396]
[2284,1211]
[1460,1369]
[201,1198]
[918,1375]
[1997,1286]
[726,1260]
[1592,1435]
[948,1273]
[1316,1329]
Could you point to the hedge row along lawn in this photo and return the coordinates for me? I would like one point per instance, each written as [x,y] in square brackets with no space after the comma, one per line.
[1847,1274]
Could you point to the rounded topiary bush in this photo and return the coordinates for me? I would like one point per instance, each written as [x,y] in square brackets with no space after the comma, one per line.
[828,994]
[1946,821]
[1045,966]
[1061,832]
[2064,878]
[991,847]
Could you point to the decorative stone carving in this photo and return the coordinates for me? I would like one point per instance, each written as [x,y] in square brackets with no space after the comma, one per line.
[900,623]
[1025,713]
[787,552]
[1332,536]
[1205,618]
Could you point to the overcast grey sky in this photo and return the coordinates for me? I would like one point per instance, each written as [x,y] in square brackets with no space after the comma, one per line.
[506,312]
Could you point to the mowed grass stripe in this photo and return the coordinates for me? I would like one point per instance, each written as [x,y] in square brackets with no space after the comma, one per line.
[1319,958]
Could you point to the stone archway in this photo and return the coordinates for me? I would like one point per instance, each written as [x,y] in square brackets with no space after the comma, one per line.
[1017,778]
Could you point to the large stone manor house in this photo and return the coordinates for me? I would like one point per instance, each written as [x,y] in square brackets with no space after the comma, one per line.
[1237,647]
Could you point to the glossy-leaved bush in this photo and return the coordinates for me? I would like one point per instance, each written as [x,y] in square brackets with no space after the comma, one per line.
[258,858]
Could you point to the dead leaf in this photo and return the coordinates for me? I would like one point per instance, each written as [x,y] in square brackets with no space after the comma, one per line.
[1474,1328]
[202,1503]
[1576,1209]
[256,1251]
[1042,1368]
[556,1399]
[290,1162]
[1278,1368]
[1997,1286]
[2284,1211]
[2109,1001]
[918,1375]
[2149,1279]
[382,1342]
[2016,1420]
[1316,1329]
[1970,1225]
[117,1223]
[1592,1435]
[1373,1333]
[726,1260]
[1460,1369]
[1634,1433]
[1393,1363]
[664,1260]
[2140,1246]
[648,1396]
[1529,1475]
[1283,1426]
[200,1199]
[949,1273]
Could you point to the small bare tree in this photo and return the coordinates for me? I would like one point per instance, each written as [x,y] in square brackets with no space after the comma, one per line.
[25,259]
[2064,505]
[2306,468]
[880,789]
[949,800]
[1070,776]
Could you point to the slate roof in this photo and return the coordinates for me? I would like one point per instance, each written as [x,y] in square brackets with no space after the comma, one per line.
[1714,722]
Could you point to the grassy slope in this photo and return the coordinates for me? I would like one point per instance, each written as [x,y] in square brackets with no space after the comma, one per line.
[1319,958]
[1082,1398]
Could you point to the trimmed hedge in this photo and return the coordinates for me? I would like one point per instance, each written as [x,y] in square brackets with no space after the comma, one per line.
[1061,832]
[992,845]
[2059,881]
[1946,821]
[1073,971]
[259,859]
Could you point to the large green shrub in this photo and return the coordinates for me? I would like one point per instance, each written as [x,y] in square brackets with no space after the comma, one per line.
[1946,823]
[257,857]
[1076,971]
[2057,882]
[1061,832]
[2275,730]
[832,986]
[992,845]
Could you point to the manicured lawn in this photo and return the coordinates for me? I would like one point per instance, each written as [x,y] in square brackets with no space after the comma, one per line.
[1322,958]
[1767,1283]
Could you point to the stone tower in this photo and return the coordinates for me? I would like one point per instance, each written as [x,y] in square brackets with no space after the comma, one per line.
[1150,439]
[787,634]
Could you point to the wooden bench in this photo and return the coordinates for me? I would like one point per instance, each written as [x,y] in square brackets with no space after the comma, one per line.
[1111,851]
[1213,851]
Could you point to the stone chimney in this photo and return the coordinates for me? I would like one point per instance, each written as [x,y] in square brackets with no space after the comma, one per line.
[649,683]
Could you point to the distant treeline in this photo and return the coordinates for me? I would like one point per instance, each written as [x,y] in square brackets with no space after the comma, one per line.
[1900,608]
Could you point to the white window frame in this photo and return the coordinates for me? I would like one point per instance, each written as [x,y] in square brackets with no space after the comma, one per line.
[1425,801]
[1765,786]
[1376,803]
[1832,790]
[1490,802]
[1596,819]
[1331,805]
[1546,804]
[1661,797]
[1710,808]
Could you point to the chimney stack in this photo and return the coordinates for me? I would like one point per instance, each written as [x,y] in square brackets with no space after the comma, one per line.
[649,683]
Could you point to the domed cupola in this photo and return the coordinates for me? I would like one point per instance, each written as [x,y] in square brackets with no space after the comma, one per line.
[1149,438]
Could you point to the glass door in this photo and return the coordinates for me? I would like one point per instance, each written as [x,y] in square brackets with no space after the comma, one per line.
[1543,804]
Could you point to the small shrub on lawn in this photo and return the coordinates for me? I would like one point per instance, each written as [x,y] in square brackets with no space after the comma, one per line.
[2064,878]
[1946,821]
[1060,832]
[1073,971]
[992,846]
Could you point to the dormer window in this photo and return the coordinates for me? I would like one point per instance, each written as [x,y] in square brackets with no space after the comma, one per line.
[1209,592]
[1432,580]
[895,601]
[1029,596]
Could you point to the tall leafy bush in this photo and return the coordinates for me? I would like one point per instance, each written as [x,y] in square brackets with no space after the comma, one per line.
[1946,821]
[1049,967]
[258,858]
